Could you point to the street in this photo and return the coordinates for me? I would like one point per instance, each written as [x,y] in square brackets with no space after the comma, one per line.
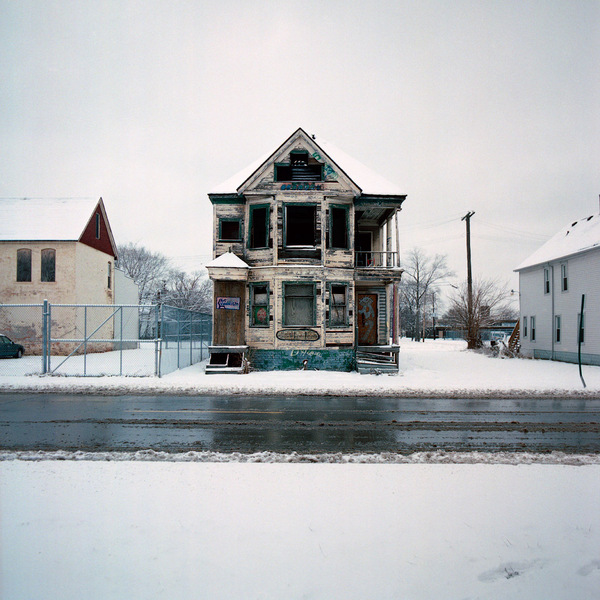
[302,424]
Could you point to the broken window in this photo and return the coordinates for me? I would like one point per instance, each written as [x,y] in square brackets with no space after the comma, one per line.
[24,264]
[300,168]
[259,305]
[300,225]
[338,305]
[230,230]
[48,272]
[299,304]
[338,227]
[259,226]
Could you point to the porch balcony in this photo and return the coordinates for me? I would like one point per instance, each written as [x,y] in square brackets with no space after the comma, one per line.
[375,259]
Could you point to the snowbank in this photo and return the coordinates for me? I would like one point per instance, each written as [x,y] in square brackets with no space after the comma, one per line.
[433,369]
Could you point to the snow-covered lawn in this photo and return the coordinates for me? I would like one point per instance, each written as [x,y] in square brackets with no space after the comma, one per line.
[200,525]
[162,530]
[440,367]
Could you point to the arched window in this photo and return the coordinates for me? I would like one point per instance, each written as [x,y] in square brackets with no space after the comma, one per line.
[24,264]
[48,264]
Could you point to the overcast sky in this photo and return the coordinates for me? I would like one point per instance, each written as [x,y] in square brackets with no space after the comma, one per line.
[492,107]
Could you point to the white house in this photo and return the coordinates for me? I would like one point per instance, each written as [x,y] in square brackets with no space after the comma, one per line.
[552,283]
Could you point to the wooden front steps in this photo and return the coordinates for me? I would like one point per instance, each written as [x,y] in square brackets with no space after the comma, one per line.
[376,360]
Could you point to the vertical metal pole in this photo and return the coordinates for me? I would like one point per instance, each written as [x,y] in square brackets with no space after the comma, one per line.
[45,337]
[49,370]
[178,334]
[156,366]
[84,340]
[579,338]
[160,339]
[191,337]
[121,335]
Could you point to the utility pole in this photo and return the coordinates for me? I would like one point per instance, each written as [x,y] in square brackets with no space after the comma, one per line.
[471,341]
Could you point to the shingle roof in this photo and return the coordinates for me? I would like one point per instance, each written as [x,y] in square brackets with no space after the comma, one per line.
[577,237]
[33,219]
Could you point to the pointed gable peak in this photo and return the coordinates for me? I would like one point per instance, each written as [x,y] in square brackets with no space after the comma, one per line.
[304,157]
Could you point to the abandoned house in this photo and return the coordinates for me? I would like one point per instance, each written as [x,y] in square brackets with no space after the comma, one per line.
[306,264]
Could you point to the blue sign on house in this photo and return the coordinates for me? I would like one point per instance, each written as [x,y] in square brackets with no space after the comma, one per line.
[228,303]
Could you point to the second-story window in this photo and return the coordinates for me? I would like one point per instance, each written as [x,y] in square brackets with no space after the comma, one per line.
[300,225]
[48,272]
[338,227]
[564,277]
[546,281]
[24,264]
[230,230]
[259,227]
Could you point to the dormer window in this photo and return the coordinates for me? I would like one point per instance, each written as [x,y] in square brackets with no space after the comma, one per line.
[300,167]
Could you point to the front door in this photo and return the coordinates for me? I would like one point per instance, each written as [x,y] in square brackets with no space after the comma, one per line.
[228,318]
[367,319]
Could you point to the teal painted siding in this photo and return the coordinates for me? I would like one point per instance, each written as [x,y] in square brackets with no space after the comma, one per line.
[322,359]
[570,357]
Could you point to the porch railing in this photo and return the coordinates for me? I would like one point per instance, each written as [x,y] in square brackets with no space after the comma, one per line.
[374,259]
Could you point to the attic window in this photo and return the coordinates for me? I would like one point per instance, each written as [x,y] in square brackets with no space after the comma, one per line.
[97,226]
[299,168]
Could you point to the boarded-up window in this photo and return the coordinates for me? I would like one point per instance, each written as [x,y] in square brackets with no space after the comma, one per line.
[300,225]
[259,305]
[259,227]
[338,305]
[339,227]
[24,264]
[299,304]
[48,272]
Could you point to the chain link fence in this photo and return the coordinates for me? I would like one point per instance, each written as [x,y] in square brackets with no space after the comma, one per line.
[99,339]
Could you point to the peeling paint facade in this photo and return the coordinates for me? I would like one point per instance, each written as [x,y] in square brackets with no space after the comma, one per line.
[318,271]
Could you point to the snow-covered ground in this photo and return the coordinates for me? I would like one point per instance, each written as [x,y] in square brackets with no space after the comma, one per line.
[161,530]
[155,525]
[433,368]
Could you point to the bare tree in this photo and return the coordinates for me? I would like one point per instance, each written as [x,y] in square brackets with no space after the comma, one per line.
[421,274]
[150,270]
[490,302]
[192,291]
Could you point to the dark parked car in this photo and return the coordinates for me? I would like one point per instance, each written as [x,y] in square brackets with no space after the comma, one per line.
[9,349]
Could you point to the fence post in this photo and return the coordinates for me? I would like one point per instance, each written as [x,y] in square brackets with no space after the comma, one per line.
[121,336]
[178,334]
[84,340]
[49,355]
[160,339]
[45,337]
[191,338]
[156,359]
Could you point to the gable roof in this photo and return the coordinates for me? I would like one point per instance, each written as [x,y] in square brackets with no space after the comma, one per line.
[366,180]
[49,219]
[577,237]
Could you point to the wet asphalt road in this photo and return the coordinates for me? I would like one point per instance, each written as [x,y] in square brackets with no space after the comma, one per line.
[302,424]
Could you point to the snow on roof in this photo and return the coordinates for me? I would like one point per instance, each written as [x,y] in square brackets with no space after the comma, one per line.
[228,261]
[578,237]
[366,179]
[44,218]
